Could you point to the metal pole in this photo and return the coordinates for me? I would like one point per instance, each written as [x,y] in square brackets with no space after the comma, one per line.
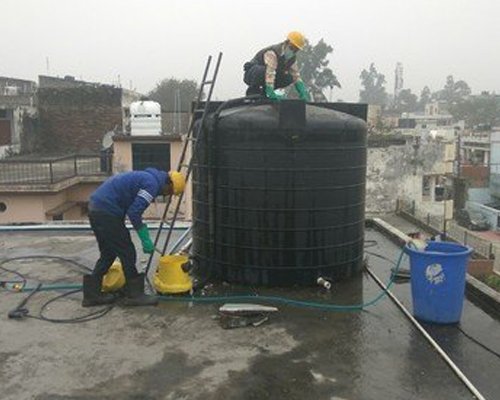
[51,172]
[429,338]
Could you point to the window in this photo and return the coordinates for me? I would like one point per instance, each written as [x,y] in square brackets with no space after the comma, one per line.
[426,187]
[407,123]
[3,207]
[3,114]
[146,155]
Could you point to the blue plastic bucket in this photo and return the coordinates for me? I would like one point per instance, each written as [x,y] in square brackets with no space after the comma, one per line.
[438,281]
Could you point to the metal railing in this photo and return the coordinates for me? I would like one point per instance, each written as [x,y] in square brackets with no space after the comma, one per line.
[20,171]
[450,228]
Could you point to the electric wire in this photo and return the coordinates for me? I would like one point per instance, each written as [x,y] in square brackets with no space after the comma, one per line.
[11,271]
[41,314]
[24,278]
[473,339]
[84,318]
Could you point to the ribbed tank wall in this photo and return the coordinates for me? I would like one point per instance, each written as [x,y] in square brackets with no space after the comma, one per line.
[278,195]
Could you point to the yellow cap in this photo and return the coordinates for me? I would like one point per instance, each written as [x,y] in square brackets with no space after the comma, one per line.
[178,182]
[297,39]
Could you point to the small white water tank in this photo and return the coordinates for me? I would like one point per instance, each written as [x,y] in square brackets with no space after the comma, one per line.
[145,118]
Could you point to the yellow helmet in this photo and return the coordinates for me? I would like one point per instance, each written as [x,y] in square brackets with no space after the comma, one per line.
[178,182]
[297,39]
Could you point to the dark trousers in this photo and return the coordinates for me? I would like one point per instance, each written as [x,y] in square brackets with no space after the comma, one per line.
[255,78]
[114,241]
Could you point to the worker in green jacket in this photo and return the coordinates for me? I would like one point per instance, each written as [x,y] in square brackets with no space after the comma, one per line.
[275,67]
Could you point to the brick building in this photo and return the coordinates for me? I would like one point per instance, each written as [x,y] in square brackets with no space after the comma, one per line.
[75,115]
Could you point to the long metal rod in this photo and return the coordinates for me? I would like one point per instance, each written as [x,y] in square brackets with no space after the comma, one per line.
[429,338]
[180,241]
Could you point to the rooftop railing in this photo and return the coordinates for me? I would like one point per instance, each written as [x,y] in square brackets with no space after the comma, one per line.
[24,171]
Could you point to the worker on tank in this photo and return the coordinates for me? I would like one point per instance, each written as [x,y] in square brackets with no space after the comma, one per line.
[275,67]
[125,194]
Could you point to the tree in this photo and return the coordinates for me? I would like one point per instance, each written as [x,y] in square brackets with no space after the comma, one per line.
[454,92]
[475,110]
[406,101]
[314,71]
[373,91]
[425,98]
[165,92]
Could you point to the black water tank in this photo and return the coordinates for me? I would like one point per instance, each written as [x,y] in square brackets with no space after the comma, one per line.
[279,194]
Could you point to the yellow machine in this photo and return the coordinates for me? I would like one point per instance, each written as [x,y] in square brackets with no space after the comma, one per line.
[170,277]
[114,278]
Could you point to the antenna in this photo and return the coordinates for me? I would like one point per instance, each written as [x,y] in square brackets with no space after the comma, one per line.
[177,112]
[398,80]
[47,64]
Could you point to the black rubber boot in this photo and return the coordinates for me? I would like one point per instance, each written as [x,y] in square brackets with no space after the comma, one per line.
[134,293]
[92,295]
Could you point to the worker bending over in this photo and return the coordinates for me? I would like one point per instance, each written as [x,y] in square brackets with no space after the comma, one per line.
[275,67]
[125,194]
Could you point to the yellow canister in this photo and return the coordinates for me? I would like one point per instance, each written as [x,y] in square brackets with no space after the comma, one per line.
[170,277]
[114,278]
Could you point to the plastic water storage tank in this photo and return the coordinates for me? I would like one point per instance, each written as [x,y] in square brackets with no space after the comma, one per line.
[279,194]
[145,118]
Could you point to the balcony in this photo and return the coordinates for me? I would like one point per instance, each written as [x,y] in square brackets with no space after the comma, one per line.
[36,174]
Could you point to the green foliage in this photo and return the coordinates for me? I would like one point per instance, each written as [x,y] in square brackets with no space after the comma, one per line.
[314,70]
[164,93]
[475,110]
[453,92]
[406,101]
[493,281]
[425,98]
[373,83]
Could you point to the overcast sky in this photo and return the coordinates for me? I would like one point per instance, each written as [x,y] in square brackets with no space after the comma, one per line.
[144,41]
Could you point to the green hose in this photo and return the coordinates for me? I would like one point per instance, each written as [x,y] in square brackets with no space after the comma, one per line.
[288,301]
[267,299]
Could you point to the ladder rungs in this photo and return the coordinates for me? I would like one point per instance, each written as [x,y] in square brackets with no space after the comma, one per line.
[191,139]
[208,82]
[184,165]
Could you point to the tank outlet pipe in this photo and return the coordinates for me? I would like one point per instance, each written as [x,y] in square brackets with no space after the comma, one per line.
[324,283]
[181,240]
[187,246]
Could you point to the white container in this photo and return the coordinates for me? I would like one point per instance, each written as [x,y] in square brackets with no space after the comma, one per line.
[145,118]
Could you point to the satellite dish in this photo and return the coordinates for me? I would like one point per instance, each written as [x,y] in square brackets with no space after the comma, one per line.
[107,140]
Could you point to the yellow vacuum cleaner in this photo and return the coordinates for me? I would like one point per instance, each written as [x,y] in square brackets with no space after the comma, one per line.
[171,278]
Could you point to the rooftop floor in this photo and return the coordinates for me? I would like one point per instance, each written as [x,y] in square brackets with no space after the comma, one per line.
[179,350]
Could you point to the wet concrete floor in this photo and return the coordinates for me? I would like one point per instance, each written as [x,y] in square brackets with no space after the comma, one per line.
[179,350]
[479,365]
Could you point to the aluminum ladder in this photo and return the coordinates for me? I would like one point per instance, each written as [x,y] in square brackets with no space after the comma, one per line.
[185,166]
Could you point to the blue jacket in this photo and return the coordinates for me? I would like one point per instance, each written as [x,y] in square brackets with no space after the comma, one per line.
[129,193]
